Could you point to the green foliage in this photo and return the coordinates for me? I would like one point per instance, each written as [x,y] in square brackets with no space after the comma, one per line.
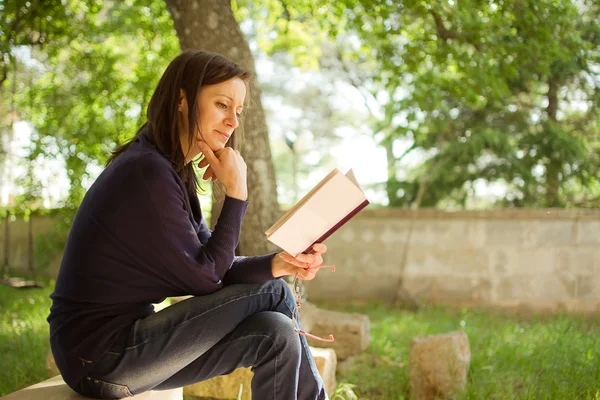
[96,66]
[494,91]
[91,89]
[488,92]
[344,391]
[23,336]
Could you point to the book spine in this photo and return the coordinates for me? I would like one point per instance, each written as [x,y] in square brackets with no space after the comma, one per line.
[338,225]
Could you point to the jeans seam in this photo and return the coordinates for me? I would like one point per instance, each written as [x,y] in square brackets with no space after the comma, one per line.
[200,315]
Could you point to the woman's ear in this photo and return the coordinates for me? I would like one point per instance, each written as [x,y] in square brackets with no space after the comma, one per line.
[182,101]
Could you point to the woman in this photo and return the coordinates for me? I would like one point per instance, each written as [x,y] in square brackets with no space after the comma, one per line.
[139,236]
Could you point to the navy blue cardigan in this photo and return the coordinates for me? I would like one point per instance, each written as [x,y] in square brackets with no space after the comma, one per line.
[136,239]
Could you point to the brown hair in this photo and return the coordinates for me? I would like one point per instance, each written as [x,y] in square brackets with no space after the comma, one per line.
[188,71]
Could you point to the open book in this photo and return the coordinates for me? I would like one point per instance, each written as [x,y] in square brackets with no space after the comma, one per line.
[323,210]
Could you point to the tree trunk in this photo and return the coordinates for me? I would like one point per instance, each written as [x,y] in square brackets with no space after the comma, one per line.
[391,186]
[5,261]
[555,165]
[30,244]
[209,25]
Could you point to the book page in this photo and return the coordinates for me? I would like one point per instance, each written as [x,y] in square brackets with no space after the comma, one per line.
[300,203]
[328,205]
[350,175]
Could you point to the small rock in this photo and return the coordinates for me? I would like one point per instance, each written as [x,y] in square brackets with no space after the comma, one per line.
[326,362]
[350,330]
[439,365]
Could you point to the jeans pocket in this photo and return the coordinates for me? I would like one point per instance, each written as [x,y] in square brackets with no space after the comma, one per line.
[100,389]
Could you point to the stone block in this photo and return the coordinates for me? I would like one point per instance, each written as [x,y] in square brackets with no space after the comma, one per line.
[588,233]
[439,365]
[394,233]
[505,261]
[55,388]
[474,288]
[528,288]
[510,233]
[436,261]
[513,287]
[452,233]
[238,383]
[577,260]
[326,287]
[586,286]
[326,361]
[453,288]
[556,233]
[350,330]
[556,286]
[224,387]
[418,285]
[360,279]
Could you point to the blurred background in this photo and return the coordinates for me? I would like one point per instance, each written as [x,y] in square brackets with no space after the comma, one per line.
[472,126]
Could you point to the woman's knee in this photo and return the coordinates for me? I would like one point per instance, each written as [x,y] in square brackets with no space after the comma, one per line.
[279,329]
[281,287]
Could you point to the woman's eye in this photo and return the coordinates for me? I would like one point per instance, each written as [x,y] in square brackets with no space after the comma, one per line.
[222,105]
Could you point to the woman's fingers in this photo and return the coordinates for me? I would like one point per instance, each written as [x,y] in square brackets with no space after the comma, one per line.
[209,174]
[304,260]
[309,273]
[319,248]
[306,274]
[288,258]
[303,270]
[211,158]
[325,266]
[203,163]
[310,259]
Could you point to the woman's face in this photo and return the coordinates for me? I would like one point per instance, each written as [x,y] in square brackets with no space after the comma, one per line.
[219,108]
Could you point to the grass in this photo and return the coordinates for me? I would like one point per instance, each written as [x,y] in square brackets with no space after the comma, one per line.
[23,336]
[512,356]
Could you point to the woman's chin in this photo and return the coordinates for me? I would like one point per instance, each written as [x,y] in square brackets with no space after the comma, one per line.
[217,146]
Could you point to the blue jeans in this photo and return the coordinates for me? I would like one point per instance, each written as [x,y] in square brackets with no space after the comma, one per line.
[201,337]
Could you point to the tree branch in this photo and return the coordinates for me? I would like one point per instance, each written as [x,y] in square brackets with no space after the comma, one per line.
[354,81]
[446,34]
[286,11]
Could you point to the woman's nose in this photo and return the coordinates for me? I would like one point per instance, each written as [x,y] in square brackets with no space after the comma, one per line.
[232,120]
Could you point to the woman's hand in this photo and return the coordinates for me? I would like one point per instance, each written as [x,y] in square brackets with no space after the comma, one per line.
[228,166]
[305,265]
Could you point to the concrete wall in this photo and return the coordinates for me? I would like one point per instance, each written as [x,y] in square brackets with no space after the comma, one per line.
[539,259]
[18,249]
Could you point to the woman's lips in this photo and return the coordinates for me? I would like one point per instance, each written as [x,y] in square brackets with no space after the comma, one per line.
[225,136]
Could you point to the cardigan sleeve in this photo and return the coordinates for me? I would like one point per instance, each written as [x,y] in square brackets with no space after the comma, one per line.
[244,269]
[176,250]
[251,269]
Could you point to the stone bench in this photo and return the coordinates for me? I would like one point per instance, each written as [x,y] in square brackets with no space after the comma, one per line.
[56,389]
